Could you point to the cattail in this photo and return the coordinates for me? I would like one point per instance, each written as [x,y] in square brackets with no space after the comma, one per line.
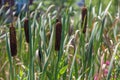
[0,3]
[84,19]
[70,30]
[58,32]
[31,1]
[12,2]
[57,20]
[13,41]
[26,30]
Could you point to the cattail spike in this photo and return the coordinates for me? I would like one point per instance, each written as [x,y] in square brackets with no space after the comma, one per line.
[31,1]
[84,19]
[57,20]
[13,41]
[58,35]
[26,30]
[70,30]
[0,3]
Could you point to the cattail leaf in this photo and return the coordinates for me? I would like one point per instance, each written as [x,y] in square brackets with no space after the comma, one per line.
[40,4]
[111,62]
[73,61]
[9,57]
[107,8]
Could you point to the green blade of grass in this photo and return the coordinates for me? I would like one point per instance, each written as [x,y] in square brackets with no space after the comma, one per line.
[10,59]
[111,62]
[71,69]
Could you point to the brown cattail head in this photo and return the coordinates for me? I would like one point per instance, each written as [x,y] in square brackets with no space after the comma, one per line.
[70,30]
[57,20]
[58,31]
[13,41]
[0,3]
[26,30]
[31,1]
[84,19]
[11,2]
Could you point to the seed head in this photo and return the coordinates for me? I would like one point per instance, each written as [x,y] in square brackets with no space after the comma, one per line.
[84,19]
[26,30]
[13,41]
[58,31]
[31,1]
[70,30]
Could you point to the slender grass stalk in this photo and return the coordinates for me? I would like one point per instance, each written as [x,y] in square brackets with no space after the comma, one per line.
[49,50]
[99,7]
[57,66]
[71,69]
[20,34]
[31,66]
[111,62]
[10,59]
[89,52]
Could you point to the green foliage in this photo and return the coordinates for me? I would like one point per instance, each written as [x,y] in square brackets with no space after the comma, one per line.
[81,56]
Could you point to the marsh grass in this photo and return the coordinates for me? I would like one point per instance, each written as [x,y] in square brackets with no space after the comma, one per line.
[80,57]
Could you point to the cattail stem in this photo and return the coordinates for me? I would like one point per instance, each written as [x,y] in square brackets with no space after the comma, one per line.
[58,32]
[84,19]
[13,41]
[26,30]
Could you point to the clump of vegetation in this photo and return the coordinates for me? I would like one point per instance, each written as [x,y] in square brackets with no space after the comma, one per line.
[82,44]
